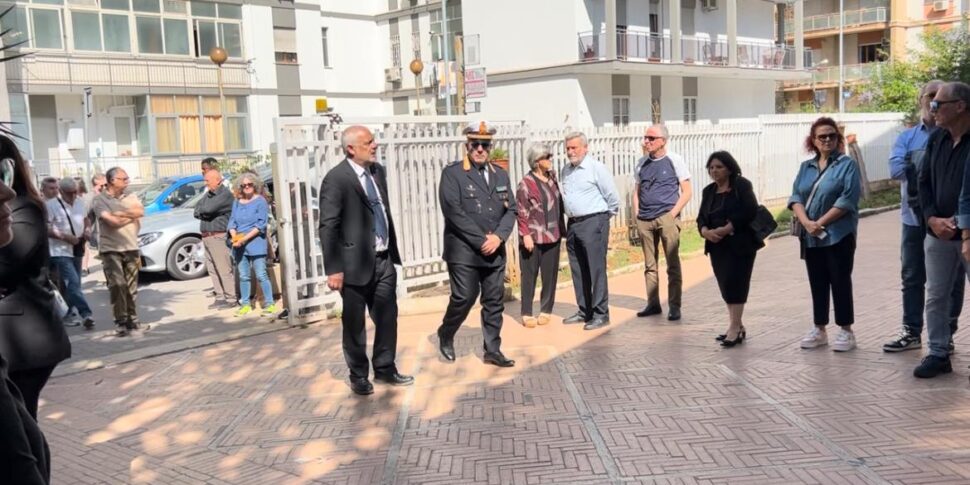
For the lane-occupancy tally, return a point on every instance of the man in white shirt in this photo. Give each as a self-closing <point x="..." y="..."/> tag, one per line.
<point x="67" y="231"/>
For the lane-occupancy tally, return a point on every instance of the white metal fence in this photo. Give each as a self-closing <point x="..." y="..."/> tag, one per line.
<point x="769" y="150"/>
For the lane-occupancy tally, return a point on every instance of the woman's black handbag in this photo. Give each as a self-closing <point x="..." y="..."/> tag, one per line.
<point x="763" y="224"/>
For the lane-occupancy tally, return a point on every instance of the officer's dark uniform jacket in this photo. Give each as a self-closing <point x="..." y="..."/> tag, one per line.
<point x="473" y="209"/>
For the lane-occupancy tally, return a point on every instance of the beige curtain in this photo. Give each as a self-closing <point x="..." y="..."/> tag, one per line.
<point x="163" y="105"/>
<point x="166" y="135"/>
<point x="213" y="134"/>
<point x="190" y="133"/>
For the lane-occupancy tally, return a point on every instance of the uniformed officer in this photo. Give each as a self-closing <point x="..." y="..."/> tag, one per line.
<point x="479" y="209"/>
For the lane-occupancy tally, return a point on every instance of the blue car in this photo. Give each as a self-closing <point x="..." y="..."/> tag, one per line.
<point x="170" y="193"/>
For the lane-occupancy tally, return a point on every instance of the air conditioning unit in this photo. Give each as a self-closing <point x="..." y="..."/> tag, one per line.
<point x="708" y="5"/>
<point x="941" y="5"/>
<point x="392" y="74"/>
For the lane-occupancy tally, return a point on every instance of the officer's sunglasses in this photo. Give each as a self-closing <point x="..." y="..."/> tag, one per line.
<point x="482" y="144"/>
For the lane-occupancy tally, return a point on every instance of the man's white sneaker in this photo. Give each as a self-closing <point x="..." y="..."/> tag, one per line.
<point x="816" y="338"/>
<point x="844" y="341"/>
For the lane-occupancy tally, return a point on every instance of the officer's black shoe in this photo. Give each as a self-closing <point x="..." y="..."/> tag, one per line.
<point x="446" y="345"/>
<point x="650" y="310"/>
<point x="674" y="314"/>
<point x="596" y="323"/>
<point x="577" y="318"/>
<point x="394" y="379"/>
<point x="361" y="386"/>
<point x="496" y="358"/>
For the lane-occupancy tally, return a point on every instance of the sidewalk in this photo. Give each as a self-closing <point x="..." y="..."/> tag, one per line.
<point x="643" y="400"/>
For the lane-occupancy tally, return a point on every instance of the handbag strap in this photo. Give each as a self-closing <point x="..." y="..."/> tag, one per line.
<point x="818" y="180"/>
<point x="68" y="214"/>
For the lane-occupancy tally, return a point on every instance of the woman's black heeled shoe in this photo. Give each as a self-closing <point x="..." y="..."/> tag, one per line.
<point x="738" y="340"/>
<point x="720" y="338"/>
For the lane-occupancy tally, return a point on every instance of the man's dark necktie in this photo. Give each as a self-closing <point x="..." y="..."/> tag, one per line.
<point x="380" y="222"/>
<point x="482" y="171"/>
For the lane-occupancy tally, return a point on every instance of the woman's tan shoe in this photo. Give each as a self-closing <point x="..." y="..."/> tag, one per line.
<point x="529" y="322"/>
<point x="544" y="318"/>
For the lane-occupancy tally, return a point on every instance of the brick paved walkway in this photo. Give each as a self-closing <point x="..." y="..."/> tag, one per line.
<point x="642" y="401"/>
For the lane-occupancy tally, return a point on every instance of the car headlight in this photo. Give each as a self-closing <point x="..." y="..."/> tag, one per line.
<point x="148" y="238"/>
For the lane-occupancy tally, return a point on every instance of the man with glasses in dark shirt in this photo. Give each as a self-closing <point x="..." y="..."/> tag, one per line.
<point x="941" y="182"/>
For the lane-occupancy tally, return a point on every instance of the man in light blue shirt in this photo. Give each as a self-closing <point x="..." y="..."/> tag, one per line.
<point x="905" y="160"/>
<point x="590" y="199"/>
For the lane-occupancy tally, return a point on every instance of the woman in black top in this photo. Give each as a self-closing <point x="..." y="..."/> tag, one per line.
<point x="32" y="336"/>
<point x="727" y="208"/>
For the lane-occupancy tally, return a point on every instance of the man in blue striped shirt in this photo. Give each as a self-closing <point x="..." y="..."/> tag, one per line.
<point x="590" y="199"/>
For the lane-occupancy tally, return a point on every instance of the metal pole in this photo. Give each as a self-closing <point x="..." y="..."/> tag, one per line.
<point x="86" y="101"/>
<point x="225" y="122"/>
<point x="841" y="56"/>
<point x="444" y="46"/>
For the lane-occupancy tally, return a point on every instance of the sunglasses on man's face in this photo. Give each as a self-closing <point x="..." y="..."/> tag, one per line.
<point x="651" y="139"/>
<point x="935" y="105"/>
<point x="6" y="171"/>
<point x="247" y="185"/>
<point x="481" y="144"/>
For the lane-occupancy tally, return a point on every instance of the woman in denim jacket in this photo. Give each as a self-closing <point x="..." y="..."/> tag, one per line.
<point x="247" y="231"/>
<point x="825" y="201"/>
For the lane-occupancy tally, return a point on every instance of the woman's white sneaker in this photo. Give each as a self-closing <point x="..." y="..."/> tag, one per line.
<point x="844" y="341"/>
<point x="816" y="338"/>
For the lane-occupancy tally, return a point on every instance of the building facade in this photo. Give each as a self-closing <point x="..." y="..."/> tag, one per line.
<point x="131" y="83"/>
<point x="874" y="32"/>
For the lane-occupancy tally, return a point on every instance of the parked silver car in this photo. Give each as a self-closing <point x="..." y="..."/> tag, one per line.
<point x="171" y="242"/>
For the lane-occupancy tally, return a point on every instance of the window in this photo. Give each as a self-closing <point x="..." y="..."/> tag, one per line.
<point x="115" y="4"/>
<point x="16" y="22"/>
<point x="149" y="35"/>
<point x="690" y="109"/>
<point x="453" y="13"/>
<point x="871" y="53"/>
<point x="176" y="37"/>
<point x="87" y="31"/>
<point x="326" y="49"/>
<point x="150" y="6"/>
<point x="117" y="37"/>
<point x="194" y="124"/>
<point x="621" y="110"/>
<point x="284" y="41"/>
<point x="46" y="26"/>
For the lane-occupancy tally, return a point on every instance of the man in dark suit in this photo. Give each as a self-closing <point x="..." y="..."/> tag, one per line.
<point x="479" y="209"/>
<point x="359" y="254"/>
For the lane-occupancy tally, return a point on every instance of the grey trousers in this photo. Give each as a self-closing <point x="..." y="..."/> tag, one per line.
<point x="944" y="263"/>
<point x="218" y="262"/>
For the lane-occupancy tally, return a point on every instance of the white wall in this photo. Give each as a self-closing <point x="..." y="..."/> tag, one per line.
<point x="257" y="28"/>
<point x="640" y="97"/>
<point x="538" y="33"/>
<point x="733" y="98"/>
<point x="547" y="102"/>
<point x="357" y="7"/>
<point x="596" y="99"/>
<point x="309" y="44"/>
<point x="672" y="98"/>
<point x="263" y="108"/>
<point x="358" y="55"/>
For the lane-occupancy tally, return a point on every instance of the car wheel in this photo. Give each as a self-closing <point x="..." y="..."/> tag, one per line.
<point x="186" y="259"/>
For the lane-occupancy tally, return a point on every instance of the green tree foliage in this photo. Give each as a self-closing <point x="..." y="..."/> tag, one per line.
<point x="895" y="88"/>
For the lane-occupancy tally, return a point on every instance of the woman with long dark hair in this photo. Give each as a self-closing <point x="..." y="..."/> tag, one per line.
<point x="32" y="336"/>
<point x="728" y="205"/>
<point x="825" y="202"/>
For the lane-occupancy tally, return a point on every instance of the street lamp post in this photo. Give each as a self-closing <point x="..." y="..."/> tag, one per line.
<point x="218" y="56"/>
<point x="841" y="56"/>
<point x="416" y="67"/>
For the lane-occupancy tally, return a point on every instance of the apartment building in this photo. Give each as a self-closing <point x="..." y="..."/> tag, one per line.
<point x="874" y="32"/>
<point x="130" y="82"/>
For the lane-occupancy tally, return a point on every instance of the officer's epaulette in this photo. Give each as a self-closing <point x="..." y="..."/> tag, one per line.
<point x="456" y="162"/>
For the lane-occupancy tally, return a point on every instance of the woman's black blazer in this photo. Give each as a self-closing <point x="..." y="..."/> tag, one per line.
<point x="31" y="335"/>
<point x="740" y="206"/>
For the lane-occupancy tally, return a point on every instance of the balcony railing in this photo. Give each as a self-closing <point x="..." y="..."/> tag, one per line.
<point x="853" y="18"/>
<point x="830" y="74"/>
<point x="645" y="47"/>
<point x="123" y="72"/>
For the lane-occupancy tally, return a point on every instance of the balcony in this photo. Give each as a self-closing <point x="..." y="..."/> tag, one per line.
<point x="854" y="19"/>
<point x="146" y="75"/>
<point x="655" y="48"/>
<point x="829" y="76"/>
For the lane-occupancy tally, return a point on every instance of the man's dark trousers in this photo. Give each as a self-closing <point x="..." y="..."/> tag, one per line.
<point x="466" y="283"/>
<point x="380" y="296"/>
<point x="914" y="282"/>
<point x="587" y="241"/>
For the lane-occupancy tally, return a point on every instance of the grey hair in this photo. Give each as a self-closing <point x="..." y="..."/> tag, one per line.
<point x="48" y="180"/>
<point x="960" y="91"/>
<point x="926" y="87"/>
<point x="537" y="152"/>
<point x="350" y="136"/>
<point x="577" y="134"/>
<point x="663" y="130"/>
<point x="252" y="177"/>
<point x="68" y="184"/>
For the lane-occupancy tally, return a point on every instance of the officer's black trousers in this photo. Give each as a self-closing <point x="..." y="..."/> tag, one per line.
<point x="380" y="297"/>
<point x="586" y="242"/>
<point x="466" y="283"/>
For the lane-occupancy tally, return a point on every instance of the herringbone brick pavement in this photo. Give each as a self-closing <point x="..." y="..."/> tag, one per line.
<point x="643" y="401"/>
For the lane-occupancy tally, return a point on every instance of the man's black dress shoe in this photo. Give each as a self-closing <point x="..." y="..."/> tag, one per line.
<point x="394" y="379"/>
<point x="496" y="358"/>
<point x="446" y="345"/>
<point x="596" y="323"/>
<point x="674" y="314"/>
<point x="650" y="310"/>
<point x="361" y="386"/>
<point x="576" y="318"/>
